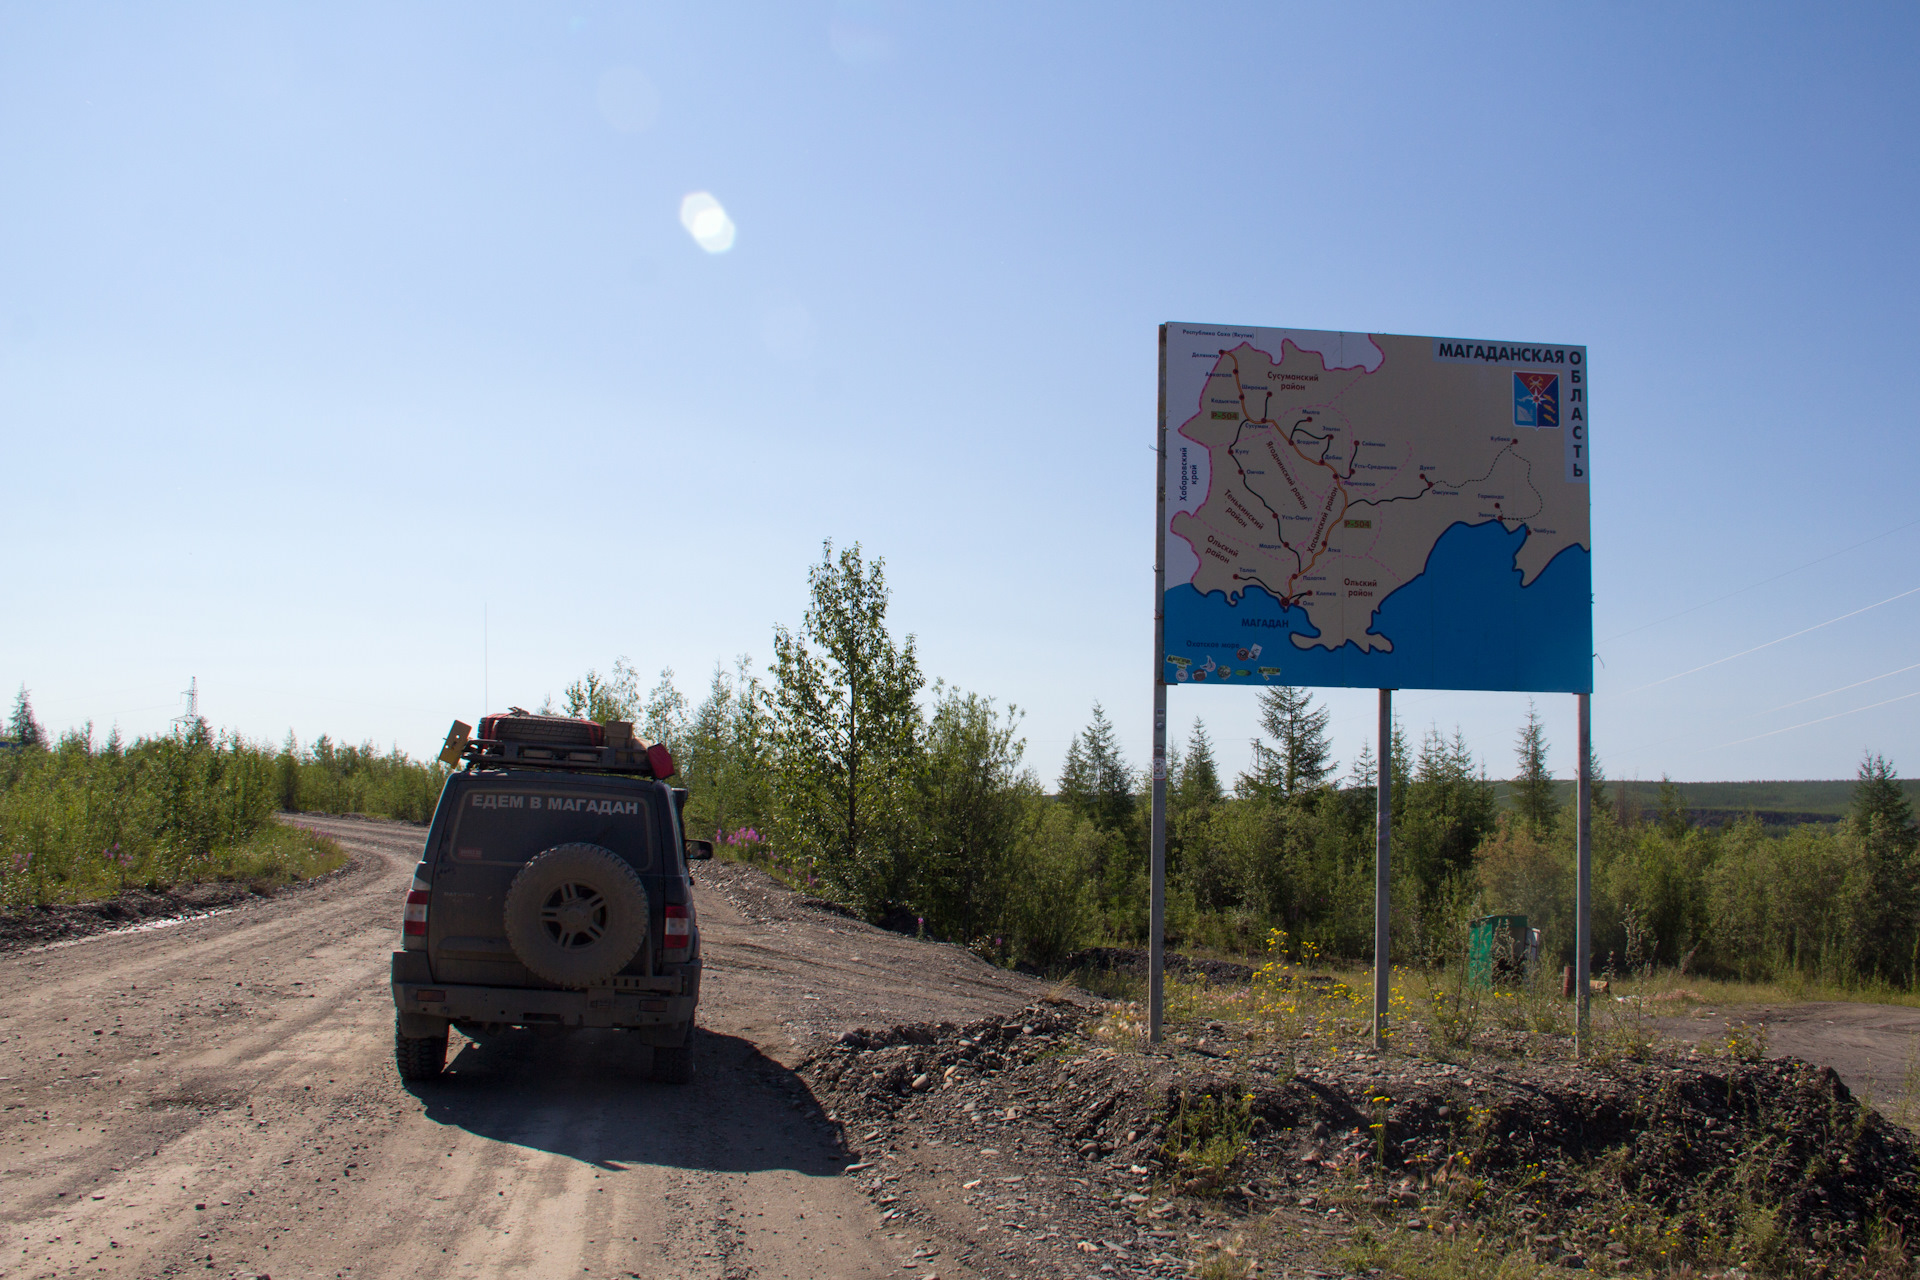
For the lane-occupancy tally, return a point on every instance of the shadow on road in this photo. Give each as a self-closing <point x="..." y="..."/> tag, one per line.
<point x="586" y="1095"/>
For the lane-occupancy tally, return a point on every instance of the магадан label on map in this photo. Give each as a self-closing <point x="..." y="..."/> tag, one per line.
<point x="1376" y="511"/>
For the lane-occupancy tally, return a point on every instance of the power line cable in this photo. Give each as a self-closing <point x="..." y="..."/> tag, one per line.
<point x="1769" y="644"/>
<point x="1619" y="635"/>
<point x="1763" y="582"/>
<point x="1842" y="689"/>
<point x="1822" y="720"/>
<point x="1683" y="737"/>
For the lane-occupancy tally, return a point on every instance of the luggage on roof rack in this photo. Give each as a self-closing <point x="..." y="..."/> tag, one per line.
<point x="547" y="731"/>
<point x="558" y="742"/>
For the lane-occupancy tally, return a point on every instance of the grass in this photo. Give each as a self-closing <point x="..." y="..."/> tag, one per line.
<point x="276" y="855"/>
<point x="1206" y="1136"/>
<point x="272" y="856"/>
<point x="758" y="854"/>
<point x="1729" y="1226"/>
<point x="1307" y="999"/>
<point x="1225" y="1260"/>
<point x="1425" y="1255"/>
<point x="1467" y="1229"/>
<point x="1789" y="989"/>
<point x="1108" y="984"/>
<point x="1472" y="1229"/>
<point x="78" y="823"/>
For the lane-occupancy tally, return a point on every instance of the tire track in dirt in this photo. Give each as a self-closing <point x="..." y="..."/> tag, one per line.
<point x="218" y="1098"/>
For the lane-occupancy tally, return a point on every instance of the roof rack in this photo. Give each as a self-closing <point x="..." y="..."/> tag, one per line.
<point x="636" y="760"/>
<point x="601" y="758"/>
<point x="613" y="758"/>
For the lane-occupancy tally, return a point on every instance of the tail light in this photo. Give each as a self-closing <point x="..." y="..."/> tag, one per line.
<point x="678" y="935"/>
<point x="413" y="924"/>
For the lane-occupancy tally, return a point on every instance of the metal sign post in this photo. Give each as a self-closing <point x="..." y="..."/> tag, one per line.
<point x="1583" y="881"/>
<point x="1156" y="936"/>
<point x="1382" y="863"/>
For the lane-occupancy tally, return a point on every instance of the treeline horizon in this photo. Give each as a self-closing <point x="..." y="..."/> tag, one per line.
<point x="848" y="773"/>
<point x="341" y="760"/>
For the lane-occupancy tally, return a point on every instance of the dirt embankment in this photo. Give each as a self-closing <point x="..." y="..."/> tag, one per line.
<point x="1029" y="1145"/>
<point x="37" y="926"/>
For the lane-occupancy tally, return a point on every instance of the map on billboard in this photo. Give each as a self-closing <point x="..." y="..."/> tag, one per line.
<point x="1376" y="511"/>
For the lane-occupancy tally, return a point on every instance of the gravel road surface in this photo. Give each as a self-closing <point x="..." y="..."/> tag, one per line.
<point x="1874" y="1047"/>
<point x="217" y="1097"/>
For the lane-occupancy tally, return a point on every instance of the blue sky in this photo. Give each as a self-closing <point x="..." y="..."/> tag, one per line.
<point x="324" y="329"/>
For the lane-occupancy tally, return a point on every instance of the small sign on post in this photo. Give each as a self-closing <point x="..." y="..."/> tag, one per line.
<point x="456" y="743"/>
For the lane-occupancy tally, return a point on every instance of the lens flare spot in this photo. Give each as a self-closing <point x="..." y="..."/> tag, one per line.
<point x="707" y="222"/>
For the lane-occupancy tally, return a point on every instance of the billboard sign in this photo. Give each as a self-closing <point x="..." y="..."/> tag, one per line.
<point x="1375" y="511"/>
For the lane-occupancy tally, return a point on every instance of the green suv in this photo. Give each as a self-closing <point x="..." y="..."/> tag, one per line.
<point x="554" y="893"/>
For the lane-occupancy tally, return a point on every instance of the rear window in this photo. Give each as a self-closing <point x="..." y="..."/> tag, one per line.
<point x="509" y="824"/>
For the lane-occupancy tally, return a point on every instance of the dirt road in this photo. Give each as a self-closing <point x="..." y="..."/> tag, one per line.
<point x="1874" y="1047"/>
<point x="218" y="1098"/>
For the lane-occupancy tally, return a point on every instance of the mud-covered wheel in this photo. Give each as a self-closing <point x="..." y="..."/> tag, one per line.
<point x="673" y="1064"/>
<point x="420" y="1057"/>
<point x="576" y="914"/>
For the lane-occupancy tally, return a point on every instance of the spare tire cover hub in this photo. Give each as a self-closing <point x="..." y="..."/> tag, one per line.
<point x="576" y="914"/>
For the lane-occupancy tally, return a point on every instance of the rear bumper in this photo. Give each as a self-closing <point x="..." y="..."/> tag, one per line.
<point x="665" y="1001"/>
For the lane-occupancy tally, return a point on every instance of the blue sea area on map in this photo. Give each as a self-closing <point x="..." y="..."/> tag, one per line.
<point x="1464" y="623"/>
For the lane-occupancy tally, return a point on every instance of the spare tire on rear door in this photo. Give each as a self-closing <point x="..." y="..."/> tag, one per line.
<point x="576" y="914"/>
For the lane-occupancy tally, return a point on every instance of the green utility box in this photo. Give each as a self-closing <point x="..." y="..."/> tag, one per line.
<point x="1490" y="953"/>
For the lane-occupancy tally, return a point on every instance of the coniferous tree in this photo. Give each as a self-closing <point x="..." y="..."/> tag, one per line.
<point x="1402" y="760"/>
<point x="1674" y="821"/>
<point x="1095" y="782"/>
<point x="21" y="726"/>
<point x="1301" y="756"/>
<point x="1365" y="774"/>
<point x="1596" y="783"/>
<point x="1877" y="793"/>
<point x="1533" y="797"/>
<point x="1193" y="799"/>
<point x="287" y="770"/>
<point x="1882" y="822"/>
<point x="1195" y="774"/>
<point x="1449" y="811"/>
<point x="1097" y="787"/>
